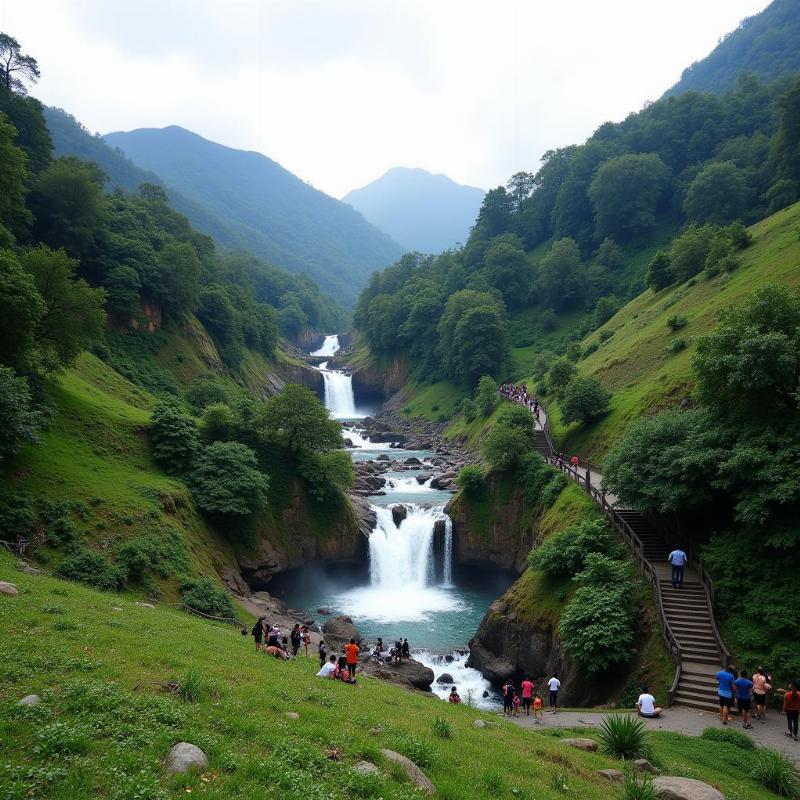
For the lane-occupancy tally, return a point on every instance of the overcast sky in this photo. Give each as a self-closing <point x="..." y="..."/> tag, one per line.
<point x="338" y="92"/>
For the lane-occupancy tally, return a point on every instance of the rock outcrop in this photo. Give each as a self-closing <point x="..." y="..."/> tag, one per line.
<point x="409" y="672"/>
<point x="338" y="631"/>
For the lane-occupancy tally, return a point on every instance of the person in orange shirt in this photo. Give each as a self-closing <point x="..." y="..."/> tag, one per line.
<point x="537" y="709"/>
<point x="791" y="707"/>
<point x="351" y="650"/>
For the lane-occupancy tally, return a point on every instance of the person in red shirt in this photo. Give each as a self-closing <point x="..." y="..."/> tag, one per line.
<point x="351" y="651"/>
<point x="791" y="707"/>
<point x="527" y="695"/>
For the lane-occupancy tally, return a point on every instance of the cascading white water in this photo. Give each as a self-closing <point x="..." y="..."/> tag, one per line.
<point x="408" y="485"/>
<point x="329" y="347"/>
<point x="402" y="570"/>
<point x="339" y="398"/>
<point x="362" y="442"/>
<point x="447" y="568"/>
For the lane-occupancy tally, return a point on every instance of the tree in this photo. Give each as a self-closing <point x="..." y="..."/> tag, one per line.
<point x="560" y="374"/>
<point x="609" y="254"/>
<point x="659" y="272"/>
<point x="66" y="201"/>
<point x="625" y="191"/>
<point x="559" y="278"/>
<point x="217" y="313"/>
<point x="227" y="480"/>
<point x="174" y="437"/>
<point x="19" y="421"/>
<point x="519" y="188"/>
<point x="471" y="481"/>
<point x="495" y="214"/>
<point x="750" y="365"/>
<point x="689" y="252"/>
<point x="122" y="287"/>
<point x="15" y="67"/>
<point x="604" y="309"/>
<point x="73" y="311"/>
<point x="506" y="445"/>
<point x="328" y="475"/>
<point x="298" y="421"/>
<point x="718" y="194"/>
<point x="23" y="308"/>
<point x="178" y="278"/>
<point x="217" y="423"/>
<point x="205" y="596"/>
<point x="517" y="417"/>
<point x="564" y="553"/>
<point x="584" y="399"/>
<point x="13" y="180"/>
<point x="506" y="269"/>
<point x="486" y="395"/>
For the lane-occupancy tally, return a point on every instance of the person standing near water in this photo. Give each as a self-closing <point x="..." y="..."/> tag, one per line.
<point x="554" y="684"/>
<point x="527" y="695"/>
<point x="508" y="698"/>
<point x="351" y="651"/>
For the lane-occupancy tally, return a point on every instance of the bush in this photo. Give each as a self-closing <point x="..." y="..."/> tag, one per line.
<point x="506" y="445"/>
<point x="328" y="475"/>
<point x="533" y="475"/>
<point x="217" y="423"/>
<point x="560" y="374"/>
<point x="19" y="420"/>
<point x="623" y="736"/>
<point x="553" y="489"/>
<point x="470" y="480"/>
<point x="419" y="750"/>
<point x="638" y="787"/>
<point x="174" y="435"/>
<point x="93" y="570"/>
<point x="205" y="390"/>
<point x="227" y="480"/>
<point x="469" y="409"/>
<point x="776" y="772"/>
<point x="677" y="345"/>
<point x="16" y="516"/>
<point x="564" y="554"/>
<point x="486" y="397"/>
<point x="729" y="736"/>
<point x="584" y="400"/>
<point x="202" y="594"/>
<point x="606" y="335"/>
<point x="602" y="570"/>
<point x="676" y="323"/>
<point x="548" y="319"/>
<point x="442" y="728"/>
<point x="596" y="627"/>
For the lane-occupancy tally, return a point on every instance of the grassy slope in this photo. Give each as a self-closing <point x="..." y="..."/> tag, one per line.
<point x="636" y="364"/>
<point x="95" y="735"/>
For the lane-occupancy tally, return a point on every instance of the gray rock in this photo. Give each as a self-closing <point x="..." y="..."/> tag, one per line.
<point x="29" y="570"/>
<point x="613" y="775"/>
<point x="30" y="700"/>
<point x="399" y="513"/>
<point x="671" y="788"/>
<point x="415" y="774"/>
<point x="366" y="768"/>
<point x="383" y="457"/>
<point x="338" y="631"/>
<point x="423" y="476"/>
<point x="325" y="612"/>
<point x="377" y="731"/>
<point x="8" y="588"/>
<point x="589" y="745"/>
<point x="292" y="715"/>
<point x="445" y="677"/>
<point x="413" y="461"/>
<point x="479" y="723"/>
<point x="184" y="756"/>
<point x="643" y="765"/>
<point x="409" y="673"/>
<point x="145" y="605"/>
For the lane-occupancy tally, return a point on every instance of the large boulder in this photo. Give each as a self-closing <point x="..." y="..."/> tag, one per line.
<point x="415" y="774"/>
<point x="184" y="756"/>
<point x="8" y="588"/>
<point x="493" y="666"/>
<point x="445" y="678"/>
<point x="672" y="788"/>
<point x="399" y="513"/>
<point x="338" y="631"/>
<point x="409" y="673"/>
<point x="589" y="745"/>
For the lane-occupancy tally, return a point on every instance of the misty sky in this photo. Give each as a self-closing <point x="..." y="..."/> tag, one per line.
<point x="338" y="92"/>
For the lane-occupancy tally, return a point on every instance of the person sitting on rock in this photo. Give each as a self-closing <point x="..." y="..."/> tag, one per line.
<point x="646" y="705"/>
<point x="453" y="698"/>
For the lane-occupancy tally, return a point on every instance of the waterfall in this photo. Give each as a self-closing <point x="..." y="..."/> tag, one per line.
<point x="447" y="570"/>
<point x="329" y="346"/>
<point x="339" y="398"/>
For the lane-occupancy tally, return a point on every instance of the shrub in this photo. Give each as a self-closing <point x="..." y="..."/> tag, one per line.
<point x="729" y="736"/>
<point x="205" y="390"/>
<point x="442" y="728"/>
<point x="469" y="409"/>
<point x="623" y="736"/>
<point x="486" y="395"/>
<point x="533" y="475"/>
<point x="505" y="445"/>
<point x="175" y="439"/>
<point x="677" y="345"/>
<point x="553" y="489"/>
<point x="596" y="627"/>
<point x="328" y="475"/>
<point x="560" y="374"/>
<point x="193" y="687"/>
<point x="16" y="516"/>
<point x="548" y="319"/>
<point x="419" y="750"/>
<point x="776" y="772"/>
<point x="93" y="570"/>
<point x="636" y="786"/>
<point x="470" y="480"/>
<point x="217" y="423"/>
<point x="563" y="554"/>
<point x="584" y="400"/>
<point x="676" y="323"/>
<point x="19" y="420"/>
<point x="606" y="335"/>
<point x="602" y="570"/>
<point x="202" y="594"/>
<point x="227" y="480"/>
<point x="573" y="352"/>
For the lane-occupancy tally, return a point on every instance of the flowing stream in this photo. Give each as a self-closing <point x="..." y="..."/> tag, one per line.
<point x="411" y="591"/>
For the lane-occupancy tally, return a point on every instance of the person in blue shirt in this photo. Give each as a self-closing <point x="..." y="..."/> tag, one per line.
<point x="678" y="560"/>
<point x="725" y="678"/>
<point x="744" y="693"/>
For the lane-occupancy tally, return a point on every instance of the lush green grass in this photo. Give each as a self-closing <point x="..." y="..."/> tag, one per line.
<point x="637" y="365"/>
<point x="434" y="401"/>
<point x="105" y="727"/>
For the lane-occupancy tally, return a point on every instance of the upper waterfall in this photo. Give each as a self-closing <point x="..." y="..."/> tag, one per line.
<point x="329" y="347"/>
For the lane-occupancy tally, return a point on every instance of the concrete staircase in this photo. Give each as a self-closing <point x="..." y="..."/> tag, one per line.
<point x="540" y="444"/>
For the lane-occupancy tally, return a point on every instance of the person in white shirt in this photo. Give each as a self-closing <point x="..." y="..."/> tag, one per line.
<point x="678" y="560"/>
<point x="646" y="705"/>
<point x="554" y="684"/>
<point x="328" y="669"/>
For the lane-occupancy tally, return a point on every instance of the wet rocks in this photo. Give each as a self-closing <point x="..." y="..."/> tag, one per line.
<point x="399" y="513"/>
<point x="445" y="677"/>
<point x="409" y="673"/>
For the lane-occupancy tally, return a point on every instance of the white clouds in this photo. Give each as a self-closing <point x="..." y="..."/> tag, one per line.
<point x="338" y="92"/>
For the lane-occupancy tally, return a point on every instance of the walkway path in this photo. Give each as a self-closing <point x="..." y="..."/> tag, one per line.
<point x="686" y="615"/>
<point x="681" y="720"/>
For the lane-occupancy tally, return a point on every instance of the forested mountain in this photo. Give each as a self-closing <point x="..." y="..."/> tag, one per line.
<point x="424" y="212"/>
<point x="765" y="45"/>
<point x="263" y="208"/>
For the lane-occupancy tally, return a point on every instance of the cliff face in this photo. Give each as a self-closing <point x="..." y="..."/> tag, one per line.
<point x="379" y="380"/>
<point x="300" y="534"/>
<point x="493" y="527"/>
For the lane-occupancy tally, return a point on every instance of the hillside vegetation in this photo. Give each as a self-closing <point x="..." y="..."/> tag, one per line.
<point x="264" y="208"/>
<point x="105" y="725"/>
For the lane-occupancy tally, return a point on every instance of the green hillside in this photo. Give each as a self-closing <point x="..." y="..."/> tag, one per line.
<point x="764" y="45"/>
<point x="107" y="722"/>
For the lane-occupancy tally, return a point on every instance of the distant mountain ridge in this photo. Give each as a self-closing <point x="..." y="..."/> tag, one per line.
<point x="422" y="211"/>
<point x="766" y="45"/>
<point x="246" y="200"/>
